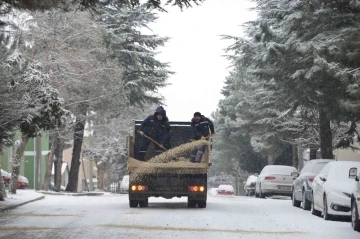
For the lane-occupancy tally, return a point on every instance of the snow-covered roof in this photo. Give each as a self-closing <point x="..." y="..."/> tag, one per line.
<point x="226" y="188"/>
<point x="279" y="169"/>
<point x="5" y="174"/>
<point x="251" y="179"/>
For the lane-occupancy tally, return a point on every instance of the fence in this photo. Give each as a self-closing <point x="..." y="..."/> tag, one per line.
<point x="115" y="187"/>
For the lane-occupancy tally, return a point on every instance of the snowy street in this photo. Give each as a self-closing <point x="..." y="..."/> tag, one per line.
<point x="109" y="216"/>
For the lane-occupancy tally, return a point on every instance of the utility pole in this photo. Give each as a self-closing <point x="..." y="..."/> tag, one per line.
<point x="38" y="156"/>
<point x="91" y="183"/>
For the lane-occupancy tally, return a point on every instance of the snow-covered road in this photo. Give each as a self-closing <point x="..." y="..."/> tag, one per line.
<point x="110" y="217"/>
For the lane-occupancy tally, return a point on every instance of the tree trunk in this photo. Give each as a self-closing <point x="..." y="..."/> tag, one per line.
<point x="75" y="160"/>
<point x="2" y="189"/>
<point x="313" y="152"/>
<point x="325" y="136"/>
<point x="100" y="176"/>
<point x="49" y="165"/>
<point x="106" y="183"/>
<point x="17" y="162"/>
<point x="59" y="162"/>
<point x="295" y="156"/>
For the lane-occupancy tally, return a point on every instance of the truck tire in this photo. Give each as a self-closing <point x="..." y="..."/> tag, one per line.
<point x="144" y="203"/>
<point x="191" y="203"/>
<point x="202" y="204"/>
<point x="133" y="203"/>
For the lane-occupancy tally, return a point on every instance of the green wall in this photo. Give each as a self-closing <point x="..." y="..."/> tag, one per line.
<point x="28" y="163"/>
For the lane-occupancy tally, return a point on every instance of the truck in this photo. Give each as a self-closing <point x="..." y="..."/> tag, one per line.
<point x="177" y="178"/>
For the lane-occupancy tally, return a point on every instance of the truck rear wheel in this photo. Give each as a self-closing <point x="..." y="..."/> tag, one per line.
<point x="133" y="203"/>
<point x="191" y="203"/>
<point x="144" y="203"/>
<point x="202" y="204"/>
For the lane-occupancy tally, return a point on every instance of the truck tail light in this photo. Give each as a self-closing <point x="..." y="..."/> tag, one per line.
<point x="196" y="189"/>
<point x="139" y="188"/>
<point x="270" y="178"/>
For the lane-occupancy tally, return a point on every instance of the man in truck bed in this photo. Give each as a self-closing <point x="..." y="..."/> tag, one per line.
<point x="202" y="127"/>
<point x="156" y="126"/>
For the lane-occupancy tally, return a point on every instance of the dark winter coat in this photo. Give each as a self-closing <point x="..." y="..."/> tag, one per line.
<point x="202" y="128"/>
<point x="157" y="130"/>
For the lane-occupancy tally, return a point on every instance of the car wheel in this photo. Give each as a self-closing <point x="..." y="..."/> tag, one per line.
<point x="261" y="195"/>
<point x="326" y="215"/>
<point x="306" y="204"/>
<point x="313" y="210"/>
<point x="133" y="203"/>
<point x="295" y="202"/>
<point x="355" y="222"/>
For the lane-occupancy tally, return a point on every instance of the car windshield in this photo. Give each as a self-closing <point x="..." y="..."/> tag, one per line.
<point x="318" y="167"/>
<point x="340" y="171"/>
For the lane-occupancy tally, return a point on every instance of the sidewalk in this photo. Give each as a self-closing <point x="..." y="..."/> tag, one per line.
<point x="20" y="198"/>
<point x="72" y="194"/>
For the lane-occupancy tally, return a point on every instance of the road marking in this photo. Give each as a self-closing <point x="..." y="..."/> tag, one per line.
<point x="25" y="228"/>
<point x="45" y="215"/>
<point x="155" y="228"/>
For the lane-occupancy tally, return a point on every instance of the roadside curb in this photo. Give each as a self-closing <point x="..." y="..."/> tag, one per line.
<point x="71" y="194"/>
<point x="13" y="206"/>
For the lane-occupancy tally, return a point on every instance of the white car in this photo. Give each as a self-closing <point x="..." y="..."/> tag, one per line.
<point x="302" y="187"/>
<point x="250" y="185"/>
<point x="213" y="191"/>
<point x="124" y="185"/>
<point x="354" y="173"/>
<point x="332" y="189"/>
<point x="275" y="180"/>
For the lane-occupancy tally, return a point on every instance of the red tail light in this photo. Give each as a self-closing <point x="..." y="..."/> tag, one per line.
<point x="196" y="189"/>
<point x="270" y="178"/>
<point x="310" y="180"/>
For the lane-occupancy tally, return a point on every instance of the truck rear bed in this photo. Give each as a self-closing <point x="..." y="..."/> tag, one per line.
<point x="176" y="178"/>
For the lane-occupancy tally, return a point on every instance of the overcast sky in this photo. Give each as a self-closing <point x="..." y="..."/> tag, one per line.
<point x="195" y="53"/>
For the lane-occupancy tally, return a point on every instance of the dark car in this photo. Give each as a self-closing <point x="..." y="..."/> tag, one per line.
<point x="302" y="187"/>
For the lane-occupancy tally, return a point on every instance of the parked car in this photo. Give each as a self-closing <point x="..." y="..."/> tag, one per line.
<point x="124" y="185"/>
<point x="250" y="185"/>
<point x="275" y="180"/>
<point x="332" y="189"/>
<point x="302" y="187"/>
<point x="354" y="173"/>
<point x="22" y="182"/>
<point x="5" y="176"/>
<point x="225" y="190"/>
<point x="213" y="191"/>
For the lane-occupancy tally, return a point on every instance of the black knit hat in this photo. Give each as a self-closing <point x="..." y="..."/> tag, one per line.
<point x="197" y="114"/>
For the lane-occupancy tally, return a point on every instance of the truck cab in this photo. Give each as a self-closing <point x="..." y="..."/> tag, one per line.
<point x="170" y="179"/>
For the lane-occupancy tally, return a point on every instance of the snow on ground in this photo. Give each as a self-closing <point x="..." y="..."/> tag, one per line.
<point x="109" y="216"/>
<point x="21" y="196"/>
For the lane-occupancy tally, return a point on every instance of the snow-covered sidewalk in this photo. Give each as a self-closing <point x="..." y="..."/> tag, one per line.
<point x="20" y="198"/>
